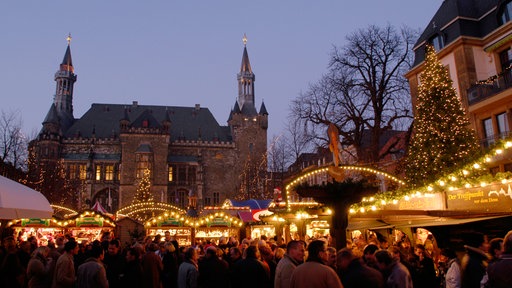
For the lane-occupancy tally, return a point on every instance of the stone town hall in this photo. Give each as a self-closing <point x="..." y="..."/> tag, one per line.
<point x="187" y="151"/>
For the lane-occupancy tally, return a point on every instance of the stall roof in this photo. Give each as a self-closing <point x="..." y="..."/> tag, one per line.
<point x="246" y="216"/>
<point x="252" y="203"/>
<point x="19" y="201"/>
<point x="419" y="219"/>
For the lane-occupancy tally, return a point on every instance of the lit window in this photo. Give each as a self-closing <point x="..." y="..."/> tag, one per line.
<point x="109" y="172"/>
<point x="98" y="172"/>
<point x="83" y="172"/>
<point x="72" y="171"/>
<point x="170" y="174"/>
<point x="143" y="163"/>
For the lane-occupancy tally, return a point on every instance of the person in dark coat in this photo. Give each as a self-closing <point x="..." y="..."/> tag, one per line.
<point x="250" y="272"/>
<point x="170" y="264"/>
<point x="114" y="262"/>
<point x="152" y="267"/>
<point x="474" y="262"/>
<point x="353" y="273"/>
<point x="132" y="275"/>
<point x="213" y="271"/>
<point x="423" y="270"/>
<point x="499" y="272"/>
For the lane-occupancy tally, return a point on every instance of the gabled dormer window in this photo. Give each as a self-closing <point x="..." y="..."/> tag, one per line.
<point x="506" y="13"/>
<point x="437" y="41"/>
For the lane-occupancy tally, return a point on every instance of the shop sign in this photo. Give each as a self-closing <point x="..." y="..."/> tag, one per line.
<point x="170" y="222"/>
<point x="89" y="221"/>
<point x="497" y="198"/>
<point x="35" y="222"/>
<point x="432" y="201"/>
<point x="218" y="221"/>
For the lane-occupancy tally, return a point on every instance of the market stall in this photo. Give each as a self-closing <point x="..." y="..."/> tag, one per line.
<point x="177" y="224"/>
<point x="216" y="225"/>
<point x="89" y="226"/>
<point x="44" y="230"/>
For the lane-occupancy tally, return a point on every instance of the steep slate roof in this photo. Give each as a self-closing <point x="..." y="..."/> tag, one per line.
<point x="465" y="18"/>
<point x="246" y="65"/>
<point x="186" y="122"/>
<point x="263" y="109"/>
<point x="51" y="116"/>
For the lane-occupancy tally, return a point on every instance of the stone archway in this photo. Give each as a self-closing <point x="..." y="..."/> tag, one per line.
<point x="108" y="198"/>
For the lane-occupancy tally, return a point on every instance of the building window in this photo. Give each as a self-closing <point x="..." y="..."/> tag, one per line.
<point x="502" y="122"/>
<point x="506" y="13"/>
<point x="181" y="198"/>
<point x="83" y="172"/>
<point x="191" y="177"/>
<point x="170" y="174"/>
<point x="488" y="131"/>
<point x="109" y="172"/>
<point x="143" y="163"/>
<point x="182" y="175"/>
<point x="72" y="171"/>
<point x="506" y="59"/>
<point x="207" y="201"/>
<point x="216" y="198"/>
<point x="98" y="172"/>
<point x="438" y="42"/>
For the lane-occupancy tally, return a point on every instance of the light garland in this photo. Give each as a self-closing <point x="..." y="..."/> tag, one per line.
<point x="467" y="176"/>
<point x="303" y="178"/>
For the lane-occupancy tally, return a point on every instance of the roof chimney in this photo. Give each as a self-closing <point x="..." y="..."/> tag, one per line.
<point x="135" y="104"/>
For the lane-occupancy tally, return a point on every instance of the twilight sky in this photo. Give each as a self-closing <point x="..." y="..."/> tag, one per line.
<point x="179" y="53"/>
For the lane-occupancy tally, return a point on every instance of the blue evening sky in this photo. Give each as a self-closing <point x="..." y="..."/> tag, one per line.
<point x="179" y="53"/>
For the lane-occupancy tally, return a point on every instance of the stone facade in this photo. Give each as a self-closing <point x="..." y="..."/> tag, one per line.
<point x="188" y="153"/>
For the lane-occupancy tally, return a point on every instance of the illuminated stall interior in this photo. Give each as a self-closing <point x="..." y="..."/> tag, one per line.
<point x="216" y="225"/>
<point x="45" y="230"/>
<point x="89" y="226"/>
<point x="173" y="221"/>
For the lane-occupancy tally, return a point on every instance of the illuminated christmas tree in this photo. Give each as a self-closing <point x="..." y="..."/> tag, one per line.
<point x="442" y="139"/>
<point x="143" y="193"/>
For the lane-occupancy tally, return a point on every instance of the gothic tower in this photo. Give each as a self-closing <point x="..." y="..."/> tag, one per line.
<point x="65" y="79"/>
<point x="249" y="132"/>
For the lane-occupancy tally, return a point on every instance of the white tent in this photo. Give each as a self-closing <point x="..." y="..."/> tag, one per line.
<point x="19" y="201"/>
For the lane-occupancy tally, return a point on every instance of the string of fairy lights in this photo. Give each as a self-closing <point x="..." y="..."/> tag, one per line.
<point x="471" y="175"/>
<point x="193" y="221"/>
<point x="72" y="221"/>
<point x="325" y="170"/>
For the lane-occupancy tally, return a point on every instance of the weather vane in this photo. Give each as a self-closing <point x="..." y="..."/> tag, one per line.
<point x="69" y="38"/>
<point x="245" y="40"/>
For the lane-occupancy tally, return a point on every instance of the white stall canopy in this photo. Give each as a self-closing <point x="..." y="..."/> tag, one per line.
<point x="19" y="201"/>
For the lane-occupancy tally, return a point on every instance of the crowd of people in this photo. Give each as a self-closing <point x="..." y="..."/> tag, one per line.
<point x="159" y="262"/>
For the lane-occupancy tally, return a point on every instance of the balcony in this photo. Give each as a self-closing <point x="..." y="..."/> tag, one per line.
<point x="489" y="142"/>
<point x="480" y="92"/>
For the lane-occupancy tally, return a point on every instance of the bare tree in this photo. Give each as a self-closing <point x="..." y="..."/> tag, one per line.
<point x="278" y="154"/>
<point x="13" y="143"/>
<point x="364" y="93"/>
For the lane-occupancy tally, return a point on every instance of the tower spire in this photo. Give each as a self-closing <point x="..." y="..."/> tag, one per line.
<point x="65" y="78"/>
<point x="246" y="83"/>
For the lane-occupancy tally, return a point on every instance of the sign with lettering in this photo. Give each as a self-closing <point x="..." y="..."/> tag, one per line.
<point x="89" y="222"/>
<point x="35" y="222"/>
<point x="218" y="221"/>
<point x="491" y="198"/>
<point x="433" y="201"/>
<point x="171" y="221"/>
